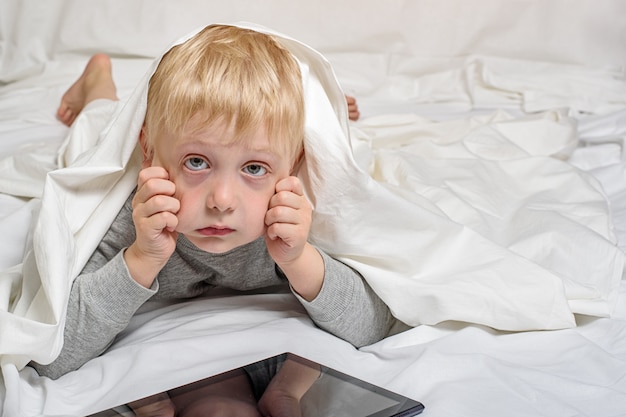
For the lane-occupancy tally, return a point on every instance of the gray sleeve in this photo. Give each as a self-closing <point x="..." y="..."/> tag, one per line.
<point x="100" y="306"/>
<point x="347" y="307"/>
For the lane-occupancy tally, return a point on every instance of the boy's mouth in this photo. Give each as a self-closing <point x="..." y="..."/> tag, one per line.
<point x="216" y="231"/>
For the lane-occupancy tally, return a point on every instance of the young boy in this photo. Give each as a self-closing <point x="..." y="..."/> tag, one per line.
<point x="216" y="203"/>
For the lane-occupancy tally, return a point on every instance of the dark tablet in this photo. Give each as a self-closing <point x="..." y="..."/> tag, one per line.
<point x="322" y="391"/>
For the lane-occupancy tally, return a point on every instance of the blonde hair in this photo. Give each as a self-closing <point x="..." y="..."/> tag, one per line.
<point x="229" y="74"/>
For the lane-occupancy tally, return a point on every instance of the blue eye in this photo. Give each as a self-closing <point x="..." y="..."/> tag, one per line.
<point x="196" y="164"/>
<point x="255" y="170"/>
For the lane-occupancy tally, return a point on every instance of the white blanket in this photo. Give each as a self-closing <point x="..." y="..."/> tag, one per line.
<point x="448" y="60"/>
<point x="471" y="220"/>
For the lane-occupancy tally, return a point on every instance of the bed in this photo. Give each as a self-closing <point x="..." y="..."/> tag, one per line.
<point x="436" y="82"/>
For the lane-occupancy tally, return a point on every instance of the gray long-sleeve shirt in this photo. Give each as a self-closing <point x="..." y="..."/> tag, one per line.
<point x="104" y="297"/>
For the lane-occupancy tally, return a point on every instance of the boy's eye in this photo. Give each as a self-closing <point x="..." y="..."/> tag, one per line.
<point x="196" y="164"/>
<point x="255" y="170"/>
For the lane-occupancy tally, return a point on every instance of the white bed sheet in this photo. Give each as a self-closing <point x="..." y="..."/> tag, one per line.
<point x="455" y="369"/>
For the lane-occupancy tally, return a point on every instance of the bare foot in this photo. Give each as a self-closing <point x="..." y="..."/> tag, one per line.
<point x="95" y="82"/>
<point x="353" y="108"/>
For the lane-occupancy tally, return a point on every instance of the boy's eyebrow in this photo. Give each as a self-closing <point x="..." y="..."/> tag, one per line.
<point x="263" y="149"/>
<point x="267" y="152"/>
<point x="192" y="143"/>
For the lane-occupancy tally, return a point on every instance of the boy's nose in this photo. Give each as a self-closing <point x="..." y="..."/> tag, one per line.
<point x="221" y="195"/>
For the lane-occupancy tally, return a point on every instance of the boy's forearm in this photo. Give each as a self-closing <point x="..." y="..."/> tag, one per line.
<point x="101" y="304"/>
<point x="306" y="273"/>
<point x="347" y="307"/>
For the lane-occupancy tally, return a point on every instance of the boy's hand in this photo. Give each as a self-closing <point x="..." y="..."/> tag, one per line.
<point x="288" y="221"/>
<point x="154" y="215"/>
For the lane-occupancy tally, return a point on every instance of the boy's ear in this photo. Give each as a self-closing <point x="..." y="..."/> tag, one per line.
<point x="143" y="142"/>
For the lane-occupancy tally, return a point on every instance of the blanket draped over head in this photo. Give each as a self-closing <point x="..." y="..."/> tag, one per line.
<point x="472" y="220"/>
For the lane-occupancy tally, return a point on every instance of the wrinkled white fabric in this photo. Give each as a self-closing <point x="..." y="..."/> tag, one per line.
<point x="473" y="220"/>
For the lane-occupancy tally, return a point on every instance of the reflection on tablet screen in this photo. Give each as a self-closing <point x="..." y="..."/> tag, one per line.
<point x="339" y="395"/>
<point x="321" y="391"/>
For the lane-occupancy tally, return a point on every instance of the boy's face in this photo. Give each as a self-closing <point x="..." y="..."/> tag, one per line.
<point x="224" y="187"/>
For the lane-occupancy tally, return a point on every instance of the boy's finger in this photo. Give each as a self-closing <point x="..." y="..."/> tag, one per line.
<point x="292" y="184"/>
<point x="281" y="214"/>
<point x="161" y="203"/>
<point x="152" y="188"/>
<point x="151" y="172"/>
<point x="289" y="199"/>
<point x="164" y="221"/>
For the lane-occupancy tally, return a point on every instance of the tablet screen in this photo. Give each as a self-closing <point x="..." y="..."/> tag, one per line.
<point x="314" y="390"/>
<point x="340" y="395"/>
